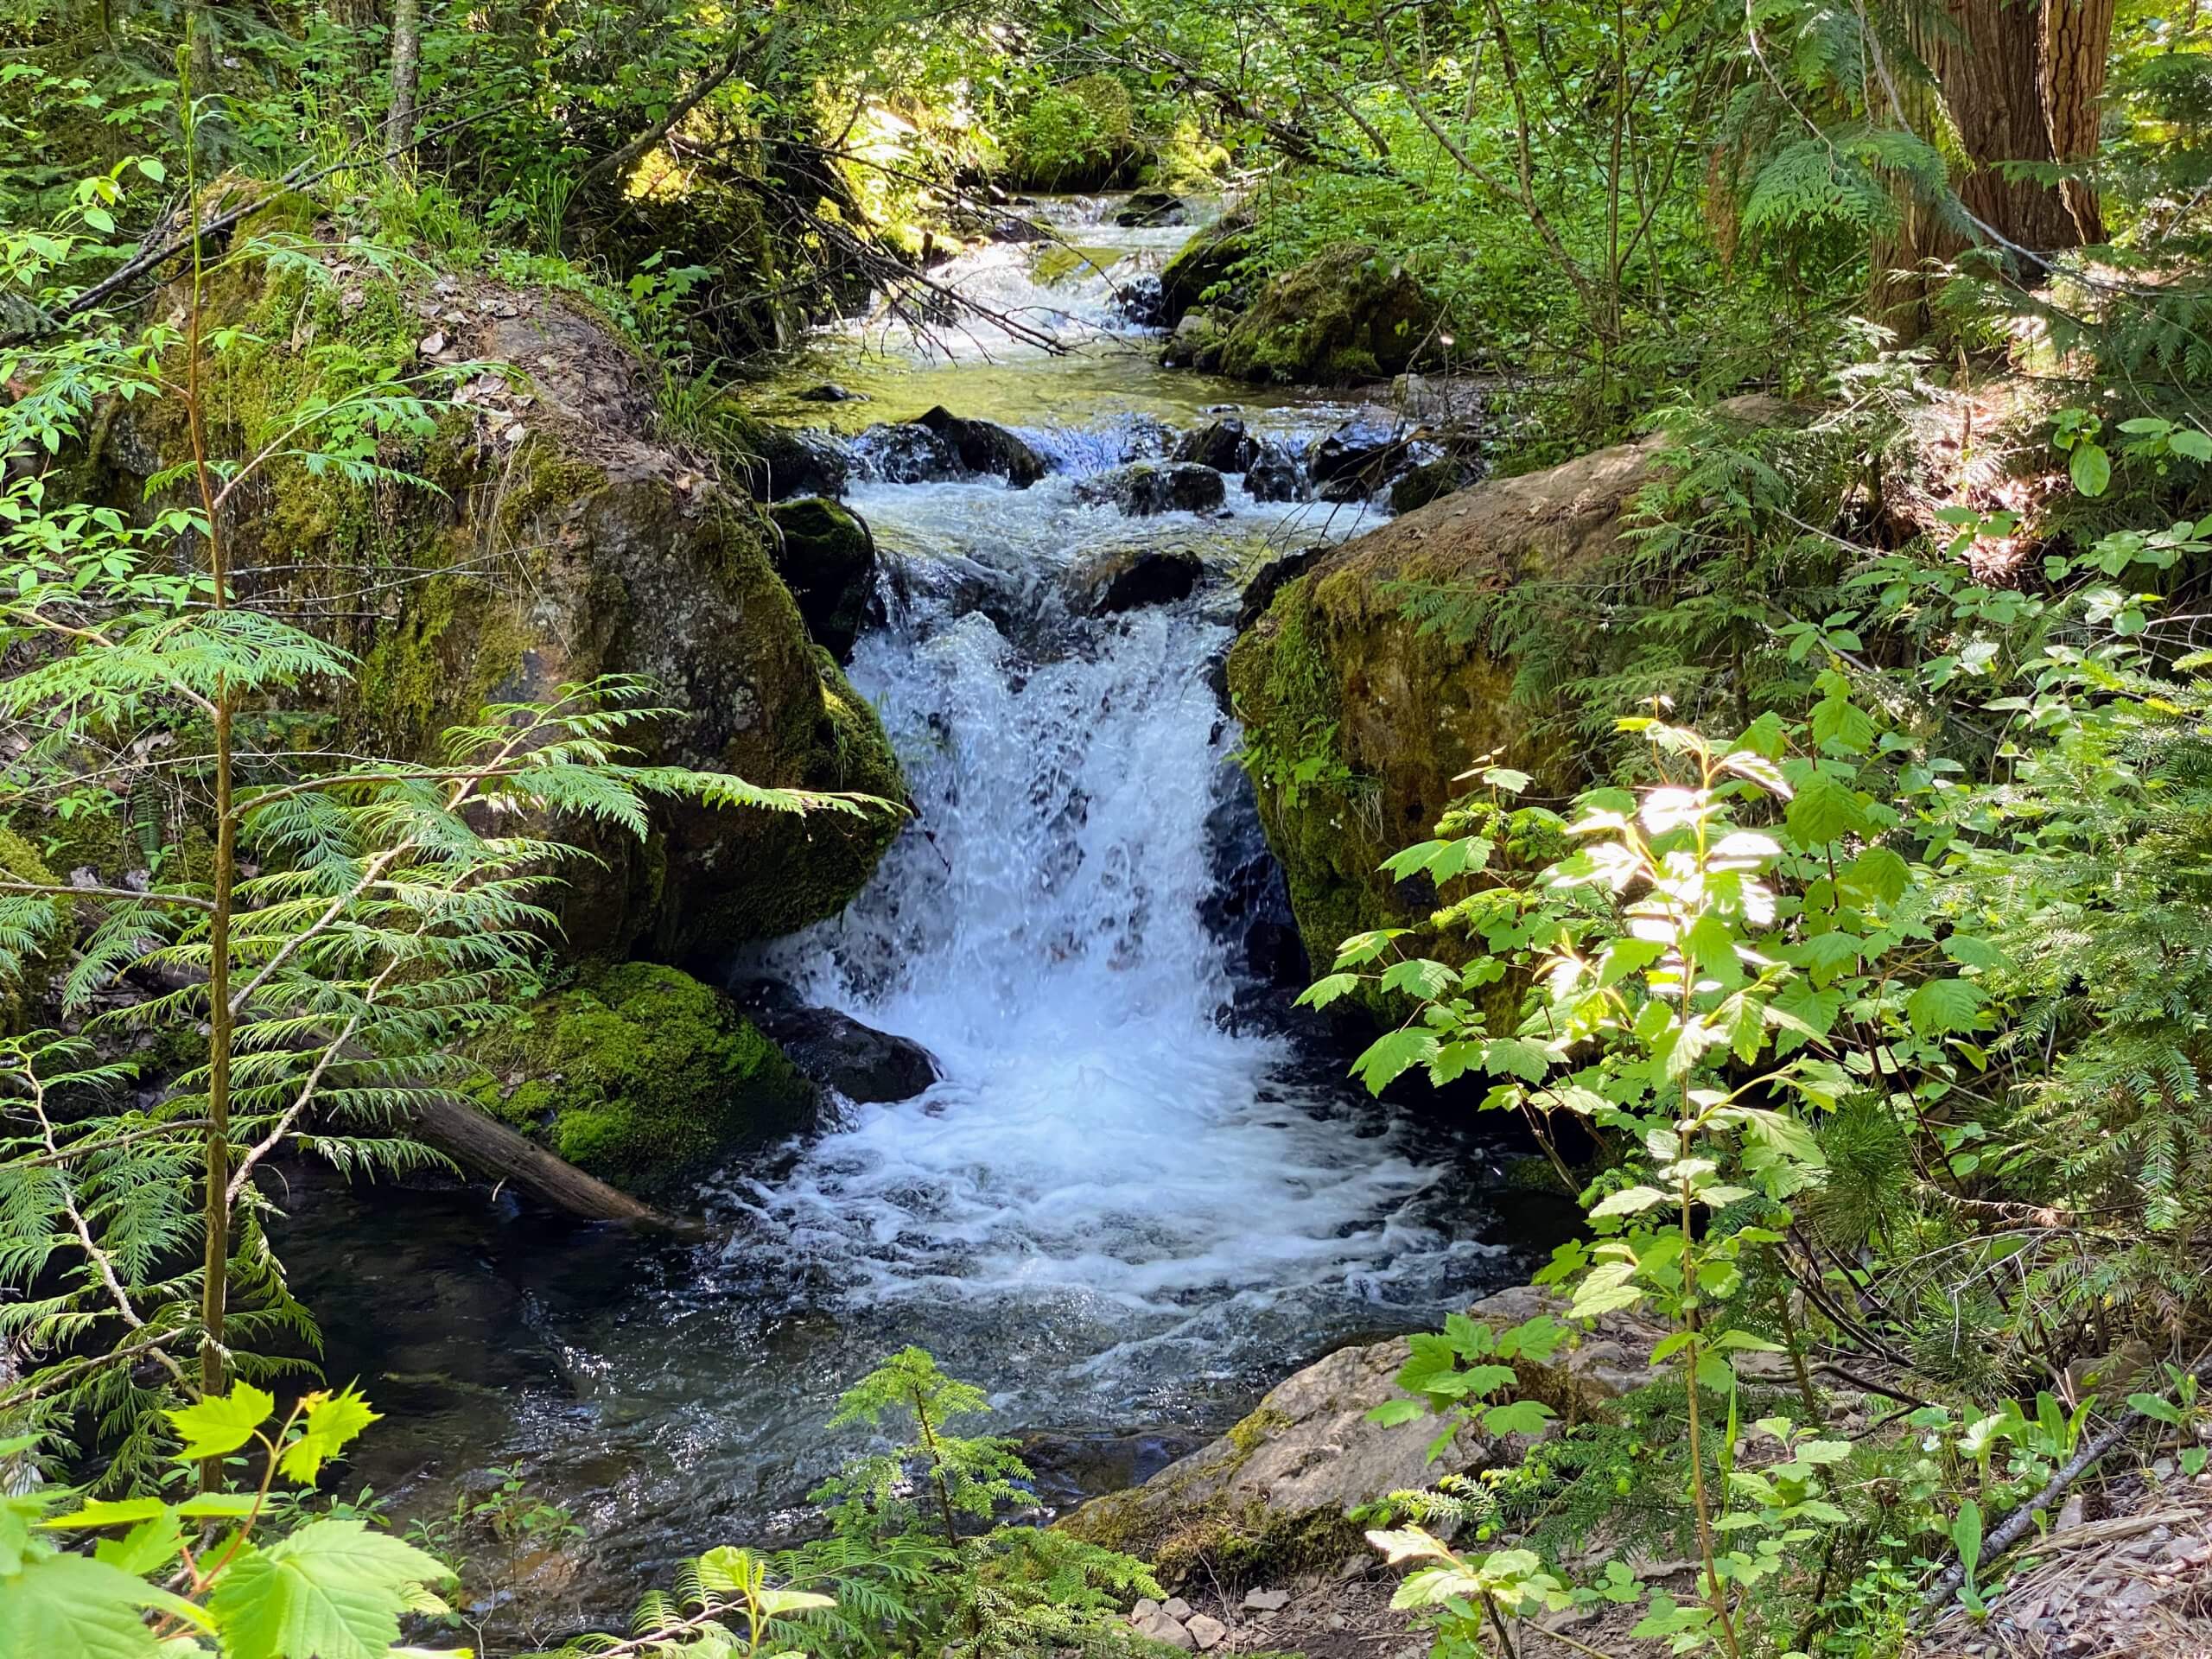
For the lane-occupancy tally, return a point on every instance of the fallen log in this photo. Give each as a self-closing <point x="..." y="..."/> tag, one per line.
<point x="489" y="1146"/>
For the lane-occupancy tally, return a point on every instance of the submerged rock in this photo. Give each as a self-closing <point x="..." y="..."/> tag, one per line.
<point x="833" y="1049"/>
<point x="1274" y="1494"/>
<point x="826" y="559"/>
<point x="1146" y="487"/>
<point x="1151" y="207"/>
<point x="1348" y="313"/>
<point x="1134" y="577"/>
<point x="1225" y="445"/>
<point x="638" y="1075"/>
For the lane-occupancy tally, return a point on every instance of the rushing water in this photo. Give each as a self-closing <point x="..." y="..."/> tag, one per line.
<point x="1140" y="1192"/>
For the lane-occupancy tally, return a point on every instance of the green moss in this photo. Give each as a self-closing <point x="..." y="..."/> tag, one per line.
<point x="1078" y="136"/>
<point x="638" y="1075"/>
<point x="1348" y="313"/>
<point x="1250" y="1434"/>
<point x="1060" y="261"/>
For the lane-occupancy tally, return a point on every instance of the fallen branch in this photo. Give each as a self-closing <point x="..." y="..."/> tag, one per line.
<point x="485" y="1144"/>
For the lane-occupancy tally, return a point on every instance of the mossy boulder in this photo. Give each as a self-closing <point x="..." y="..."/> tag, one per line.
<point x="1348" y="313"/>
<point x="562" y="540"/>
<point x="826" y="559"/>
<point x="1208" y="261"/>
<point x="1080" y="135"/>
<point x="1358" y="720"/>
<point x="638" y="1075"/>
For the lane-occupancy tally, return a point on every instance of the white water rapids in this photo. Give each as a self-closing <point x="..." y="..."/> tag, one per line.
<point x="1128" y="1205"/>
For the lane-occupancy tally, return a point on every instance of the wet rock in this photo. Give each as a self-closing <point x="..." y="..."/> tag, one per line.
<point x="1144" y="488"/>
<point x="826" y="559"/>
<point x="1261" y="591"/>
<point x="1347" y="315"/>
<point x="778" y="463"/>
<point x="836" y="1051"/>
<point x="906" y="453"/>
<point x="1426" y="481"/>
<point x="1276" y="475"/>
<point x="1353" y="461"/>
<point x="982" y="447"/>
<point x="1196" y="343"/>
<point x="1153" y="208"/>
<point x="1441" y="399"/>
<point x="1206" y="262"/>
<point x="1226" y="445"/>
<point x="1133" y="578"/>
<point x="830" y="392"/>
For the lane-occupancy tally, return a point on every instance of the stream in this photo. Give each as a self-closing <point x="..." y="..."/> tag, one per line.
<point x="1142" y="1190"/>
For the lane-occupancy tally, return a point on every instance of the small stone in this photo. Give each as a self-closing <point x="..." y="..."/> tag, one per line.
<point x="432" y="343"/>
<point x="1335" y="1622"/>
<point x="1143" y="1610"/>
<point x="1176" y="1608"/>
<point x="2069" y="1514"/>
<point x="1160" y="1628"/>
<point x="1354" y="1566"/>
<point x="1206" y="1630"/>
<point x="2163" y="1468"/>
<point x="1266" y="1601"/>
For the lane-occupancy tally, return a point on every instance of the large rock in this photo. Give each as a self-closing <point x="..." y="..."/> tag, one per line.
<point x="1274" y="1494"/>
<point x="831" y="1048"/>
<point x="940" y="444"/>
<point x="564" y="542"/>
<point x="1146" y="207"/>
<point x="826" y="559"/>
<point x="1348" y="313"/>
<point x="1207" y="261"/>
<point x="1226" y="445"/>
<point x="1146" y="487"/>
<point x="775" y="463"/>
<point x="639" y="1074"/>
<point x="1130" y="578"/>
<point x="1354" y="462"/>
<point x="1335" y="672"/>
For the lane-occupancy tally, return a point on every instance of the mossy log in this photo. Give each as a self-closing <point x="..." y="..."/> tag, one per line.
<point x="479" y="1141"/>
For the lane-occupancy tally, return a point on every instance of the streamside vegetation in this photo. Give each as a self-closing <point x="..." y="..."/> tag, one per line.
<point x="1807" y="841"/>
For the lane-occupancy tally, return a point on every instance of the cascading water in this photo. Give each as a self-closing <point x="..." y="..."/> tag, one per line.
<point x="1124" y="1208"/>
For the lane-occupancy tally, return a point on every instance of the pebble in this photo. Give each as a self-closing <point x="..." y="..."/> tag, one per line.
<point x="1335" y="1622"/>
<point x="1206" y="1630"/>
<point x="1266" y="1601"/>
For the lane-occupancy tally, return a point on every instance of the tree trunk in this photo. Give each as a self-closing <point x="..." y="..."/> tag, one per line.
<point x="406" y="57"/>
<point x="490" y="1147"/>
<point x="2077" y="39"/>
<point x="1989" y="64"/>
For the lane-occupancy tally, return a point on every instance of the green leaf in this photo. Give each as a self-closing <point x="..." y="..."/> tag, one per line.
<point x="1630" y="1201"/>
<point x="1419" y="977"/>
<point x="110" y="1512"/>
<point x="331" y="1422"/>
<point x="147" y="1548"/>
<point x="1943" y="1005"/>
<point x="1514" y="1056"/>
<point x="1880" y="873"/>
<point x="1327" y="989"/>
<point x="2157" y="1408"/>
<point x="66" y="1607"/>
<point x="214" y="1428"/>
<point x="1391" y="1413"/>
<point x="333" y="1590"/>
<point x="1822" y="810"/>
<point x="1392" y="1055"/>
<point x="2091" y="468"/>
<point x="1517" y="1417"/>
<point x="1605" y="1289"/>
<point x="2186" y="440"/>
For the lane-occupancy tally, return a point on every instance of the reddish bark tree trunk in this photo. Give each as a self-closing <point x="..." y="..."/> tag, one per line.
<point x="1990" y="66"/>
<point x="2077" y="39"/>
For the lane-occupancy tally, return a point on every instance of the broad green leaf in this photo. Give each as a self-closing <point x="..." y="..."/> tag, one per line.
<point x="1515" y="1057"/>
<point x="1943" y="1005"/>
<point x="1391" y="1413"/>
<point x="214" y="1428"/>
<point x="1517" y="1417"/>
<point x="1392" y="1055"/>
<point x="1327" y="989"/>
<point x="110" y="1512"/>
<point x="2091" y="468"/>
<point x="1822" y="810"/>
<point x="1629" y="1201"/>
<point x="330" y="1422"/>
<point x="66" y="1607"/>
<point x="332" y="1590"/>
<point x="1419" y="977"/>
<point x="2156" y="1407"/>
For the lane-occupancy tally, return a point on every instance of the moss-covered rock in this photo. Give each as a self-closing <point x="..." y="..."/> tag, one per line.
<point x="1358" y="720"/>
<point x="826" y="559"/>
<point x="1078" y="136"/>
<point x="638" y="1075"/>
<point x="1347" y="314"/>
<point x="1208" y="261"/>
<point x="563" y="541"/>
